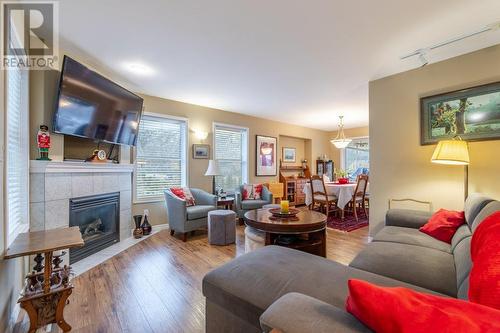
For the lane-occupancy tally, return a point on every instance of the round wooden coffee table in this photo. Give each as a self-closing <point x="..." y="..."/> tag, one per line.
<point x="306" y="233"/>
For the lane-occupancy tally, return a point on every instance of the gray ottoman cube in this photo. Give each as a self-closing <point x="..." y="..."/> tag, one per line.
<point x="221" y="227"/>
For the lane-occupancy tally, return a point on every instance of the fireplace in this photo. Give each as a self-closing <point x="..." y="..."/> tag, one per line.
<point x="98" y="217"/>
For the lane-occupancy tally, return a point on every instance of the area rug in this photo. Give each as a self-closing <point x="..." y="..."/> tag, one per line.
<point x="349" y="223"/>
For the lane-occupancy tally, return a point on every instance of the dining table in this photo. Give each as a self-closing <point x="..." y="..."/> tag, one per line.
<point x="343" y="192"/>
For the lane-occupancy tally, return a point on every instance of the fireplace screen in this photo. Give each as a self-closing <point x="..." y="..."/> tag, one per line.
<point x="98" y="218"/>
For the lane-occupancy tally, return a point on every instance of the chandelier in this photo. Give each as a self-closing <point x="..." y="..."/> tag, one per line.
<point x="341" y="141"/>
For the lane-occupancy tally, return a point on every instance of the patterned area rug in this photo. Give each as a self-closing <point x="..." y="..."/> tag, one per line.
<point x="349" y="223"/>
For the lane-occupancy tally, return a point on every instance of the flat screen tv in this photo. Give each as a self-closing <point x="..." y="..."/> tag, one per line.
<point x="91" y="106"/>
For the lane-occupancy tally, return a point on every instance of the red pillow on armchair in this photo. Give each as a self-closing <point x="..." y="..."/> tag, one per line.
<point x="392" y="310"/>
<point x="252" y="191"/>
<point x="484" y="279"/>
<point x="443" y="224"/>
<point x="185" y="194"/>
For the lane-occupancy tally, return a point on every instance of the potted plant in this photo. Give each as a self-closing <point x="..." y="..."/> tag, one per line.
<point x="342" y="176"/>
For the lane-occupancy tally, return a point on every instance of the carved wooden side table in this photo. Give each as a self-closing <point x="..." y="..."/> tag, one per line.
<point x="45" y="294"/>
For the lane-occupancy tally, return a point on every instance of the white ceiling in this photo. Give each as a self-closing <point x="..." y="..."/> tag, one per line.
<point x="303" y="62"/>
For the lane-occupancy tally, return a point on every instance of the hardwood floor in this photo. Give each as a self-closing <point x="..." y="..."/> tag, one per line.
<point x="155" y="285"/>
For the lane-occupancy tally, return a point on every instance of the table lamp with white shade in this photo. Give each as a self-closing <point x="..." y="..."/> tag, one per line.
<point x="454" y="152"/>
<point x="213" y="170"/>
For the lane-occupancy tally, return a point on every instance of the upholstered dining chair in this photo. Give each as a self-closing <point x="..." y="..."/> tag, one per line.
<point x="320" y="196"/>
<point x="359" y="196"/>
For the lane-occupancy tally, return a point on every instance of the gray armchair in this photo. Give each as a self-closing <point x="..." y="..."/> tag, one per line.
<point x="183" y="219"/>
<point x="243" y="206"/>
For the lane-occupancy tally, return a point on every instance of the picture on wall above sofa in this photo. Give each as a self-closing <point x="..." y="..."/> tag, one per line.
<point x="265" y="164"/>
<point x="473" y="114"/>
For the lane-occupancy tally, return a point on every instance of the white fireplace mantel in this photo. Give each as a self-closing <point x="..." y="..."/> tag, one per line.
<point x="76" y="167"/>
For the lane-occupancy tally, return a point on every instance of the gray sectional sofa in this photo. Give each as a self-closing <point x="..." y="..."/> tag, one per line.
<point x="276" y="287"/>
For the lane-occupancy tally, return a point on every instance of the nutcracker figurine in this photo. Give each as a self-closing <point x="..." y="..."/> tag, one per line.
<point x="43" y="140"/>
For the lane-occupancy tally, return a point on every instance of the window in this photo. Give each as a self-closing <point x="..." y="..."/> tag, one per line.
<point x="231" y="153"/>
<point x="16" y="152"/>
<point x="160" y="156"/>
<point x="356" y="157"/>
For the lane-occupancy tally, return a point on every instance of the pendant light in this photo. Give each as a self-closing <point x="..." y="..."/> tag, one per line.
<point x="341" y="141"/>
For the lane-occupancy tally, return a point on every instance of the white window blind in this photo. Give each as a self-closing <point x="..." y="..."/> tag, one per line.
<point x="160" y="157"/>
<point x="231" y="152"/>
<point x="16" y="152"/>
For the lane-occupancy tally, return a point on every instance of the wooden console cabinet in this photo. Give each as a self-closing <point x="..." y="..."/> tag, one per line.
<point x="294" y="179"/>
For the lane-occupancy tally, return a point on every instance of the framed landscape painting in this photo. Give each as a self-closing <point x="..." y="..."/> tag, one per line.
<point x="289" y="155"/>
<point x="265" y="164"/>
<point x="201" y="151"/>
<point x="472" y="114"/>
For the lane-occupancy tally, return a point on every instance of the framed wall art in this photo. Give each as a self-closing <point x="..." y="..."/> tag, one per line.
<point x="201" y="151"/>
<point x="289" y="155"/>
<point x="473" y="114"/>
<point x="265" y="164"/>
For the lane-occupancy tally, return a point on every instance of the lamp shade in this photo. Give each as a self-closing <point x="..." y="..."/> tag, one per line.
<point x="451" y="152"/>
<point x="213" y="168"/>
<point x="341" y="143"/>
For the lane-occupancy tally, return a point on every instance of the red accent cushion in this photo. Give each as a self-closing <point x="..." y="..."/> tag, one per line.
<point x="484" y="279"/>
<point x="399" y="309"/>
<point x="185" y="194"/>
<point x="443" y="224"/>
<point x="252" y="191"/>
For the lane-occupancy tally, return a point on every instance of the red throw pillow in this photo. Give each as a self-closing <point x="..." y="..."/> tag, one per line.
<point x="443" y="224"/>
<point x="252" y="191"/>
<point x="399" y="309"/>
<point x="484" y="279"/>
<point x="185" y="194"/>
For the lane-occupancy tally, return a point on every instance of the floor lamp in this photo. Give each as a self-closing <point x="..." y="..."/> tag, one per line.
<point x="454" y="152"/>
<point x="213" y="170"/>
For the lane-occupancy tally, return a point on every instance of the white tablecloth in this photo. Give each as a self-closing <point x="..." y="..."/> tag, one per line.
<point x="344" y="193"/>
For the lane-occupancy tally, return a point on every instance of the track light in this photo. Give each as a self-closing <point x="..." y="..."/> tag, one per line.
<point x="422" y="58"/>
<point x="421" y="53"/>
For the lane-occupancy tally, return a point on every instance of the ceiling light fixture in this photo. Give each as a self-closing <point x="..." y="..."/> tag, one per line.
<point x="421" y="53"/>
<point x="138" y="68"/>
<point x="341" y="141"/>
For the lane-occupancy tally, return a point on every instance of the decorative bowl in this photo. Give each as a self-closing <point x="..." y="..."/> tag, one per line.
<point x="276" y="212"/>
<point x="343" y="180"/>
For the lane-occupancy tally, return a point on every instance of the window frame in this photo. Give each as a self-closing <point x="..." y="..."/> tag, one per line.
<point x="343" y="157"/>
<point x="12" y="233"/>
<point x="185" y="157"/>
<point x="245" y="171"/>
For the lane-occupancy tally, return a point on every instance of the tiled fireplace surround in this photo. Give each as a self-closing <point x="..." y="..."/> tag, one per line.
<point x="52" y="184"/>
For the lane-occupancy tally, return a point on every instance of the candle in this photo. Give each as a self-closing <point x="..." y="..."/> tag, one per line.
<point x="284" y="206"/>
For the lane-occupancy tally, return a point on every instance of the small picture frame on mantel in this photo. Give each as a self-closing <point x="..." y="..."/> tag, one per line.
<point x="201" y="151"/>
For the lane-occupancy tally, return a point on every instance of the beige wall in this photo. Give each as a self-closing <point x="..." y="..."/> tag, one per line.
<point x="400" y="166"/>
<point x="300" y="149"/>
<point x="202" y="118"/>
<point x="43" y="91"/>
<point x="350" y="133"/>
